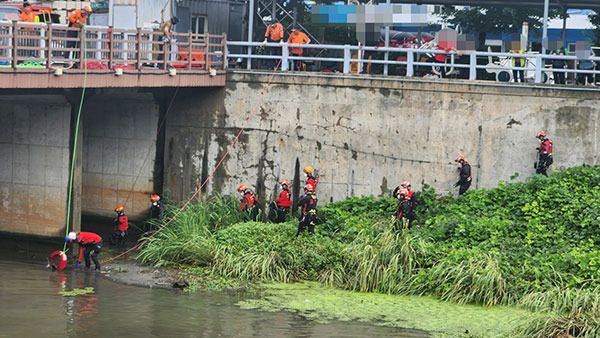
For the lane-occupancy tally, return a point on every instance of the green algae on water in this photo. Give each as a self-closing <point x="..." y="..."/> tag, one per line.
<point x="78" y="292"/>
<point x="322" y="304"/>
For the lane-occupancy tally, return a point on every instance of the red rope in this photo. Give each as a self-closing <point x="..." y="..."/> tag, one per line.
<point x="252" y="113"/>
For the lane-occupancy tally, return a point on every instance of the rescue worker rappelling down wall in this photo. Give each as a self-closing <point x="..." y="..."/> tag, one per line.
<point x="90" y="245"/>
<point x="249" y="203"/>
<point x="464" y="175"/>
<point x="308" y="210"/>
<point x="119" y="236"/>
<point x="283" y="202"/>
<point x="545" y="159"/>
<point x="401" y="219"/>
<point x="312" y="176"/>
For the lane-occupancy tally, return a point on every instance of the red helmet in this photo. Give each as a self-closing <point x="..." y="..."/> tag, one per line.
<point x="155" y="198"/>
<point x="119" y="208"/>
<point x="540" y="134"/>
<point x="402" y="193"/>
<point x="406" y="184"/>
<point x="284" y="182"/>
<point x="309" y="187"/>
<point x="459" y="158"/>
<point x="241" y="188"/>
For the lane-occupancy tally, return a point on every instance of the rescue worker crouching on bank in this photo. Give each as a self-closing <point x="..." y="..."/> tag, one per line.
<point x="402" y="210"/>
<point x="249" y="202"/>
<point x="312" y="176"/>
<point x="90" y="245"/>
<point x="545" y="159"/>
<point x="156" y="208"/>
<point x="308" y="207"/>
<point x="412" y="198"/>
<point x="464" y="175"/>
<point x="283" y="202"/>
<point x="119" y="235"/>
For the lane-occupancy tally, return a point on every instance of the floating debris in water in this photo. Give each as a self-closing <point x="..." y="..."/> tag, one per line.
<point x="78" y="292"/>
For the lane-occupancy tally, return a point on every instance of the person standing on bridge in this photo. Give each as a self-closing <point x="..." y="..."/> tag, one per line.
<point x="464" y="175"/>
<point x="90" y="245"/>
<point x="274" y="33"/>
<point x="308" y="207"/>
<point x="312" y="176"/>
<point x="249" y="202"/>
<point x="283" y="202"/>
<point x="545" y="159"/>
<point x="167" y="29"/>
<point x="77" y="19"/>
<point x="297" y="37"/>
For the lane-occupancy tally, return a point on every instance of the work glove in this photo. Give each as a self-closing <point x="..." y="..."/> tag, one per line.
<point x="265" y="43"/>
<point x="281" y="42"/>
<point x="77" y="265"/>
<point x="455" y="185"/>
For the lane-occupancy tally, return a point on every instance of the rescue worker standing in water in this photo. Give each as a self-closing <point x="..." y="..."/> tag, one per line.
<point x="308" y="207"/>
<point x="464" y="175"/>
<point x="90" y="245"/>
<point x="283" y="202"/>
<point x="249" y="202"/>
<point x="544" y="154"/>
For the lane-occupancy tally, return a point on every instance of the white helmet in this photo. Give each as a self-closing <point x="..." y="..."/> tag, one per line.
<point x="72" y="236"/>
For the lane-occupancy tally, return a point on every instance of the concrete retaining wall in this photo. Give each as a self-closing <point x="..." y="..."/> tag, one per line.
<point x="366" y="136"/>
<point x="34" y="153"/>
<point x="119" y="151"/>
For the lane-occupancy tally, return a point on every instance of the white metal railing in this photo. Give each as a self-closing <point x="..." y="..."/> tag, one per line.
<point x="534" y="62"/>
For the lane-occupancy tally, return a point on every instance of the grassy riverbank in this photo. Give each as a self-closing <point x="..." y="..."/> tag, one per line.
<point x="531" y="244"/>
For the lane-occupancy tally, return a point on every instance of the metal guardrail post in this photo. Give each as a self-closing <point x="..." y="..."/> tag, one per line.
<point x="82" y="33"/>
<point x="224" y="51"/>
<point x="49" y="38"/>
<point x="15" y="44"/>
<point x="538" y="68"/>
<point x="189" y="56"/>
<point x="42" y="43"/>
<point x="473" y="66"/>
<point x="139" y="49"/>
<point x="410" y="67"/>
<point x="110" y="47"/>
<point x="346" y="59"/>
<point x="285" y="52"/>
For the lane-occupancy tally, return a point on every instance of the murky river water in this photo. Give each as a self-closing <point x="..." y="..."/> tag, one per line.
<point x="31" y="306"/>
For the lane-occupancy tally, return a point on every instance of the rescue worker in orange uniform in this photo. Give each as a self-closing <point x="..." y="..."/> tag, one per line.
<point x="308" y="207"/>
<point x="544" y="154"/>
<point x="27" y="15"/>
<point x="249" y="202"/>
<point x="77" y="19"/>
<point x="312" y="176"/>
<point x="297" y="37"/>
<point x="464" y="175"/>
<point x="402" y="210"/>
<point x="283" y="202"/>
<point x="90" y="245"/>
<point x="119" y="235"/>
<point x="412" y="198"/>
<point x="274" y="33"/>
<point x="156" y="208"/>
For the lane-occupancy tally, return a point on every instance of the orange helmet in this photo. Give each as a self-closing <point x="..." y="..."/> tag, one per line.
<point x="155" y="198"/>
<point x="308" y="169"/>
<point x="406" y="184"/>
<point x="241" y="188"/>
<point x="284" y="182"/>
<point x="119" y="208"/>
<point x="402" y="193"/>
<point x="459" y="158"/>
<point x="309" y="187"/>
<point x="540" y="134"/>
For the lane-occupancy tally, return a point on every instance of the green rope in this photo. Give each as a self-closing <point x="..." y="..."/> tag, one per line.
<point x="76" y="137"/>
